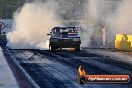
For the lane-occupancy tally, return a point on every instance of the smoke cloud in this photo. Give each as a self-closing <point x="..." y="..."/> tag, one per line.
<point x="90" y="14"/>
<point x="33" y="22"/>
<point x="114" y="16"/>
<point x="123" y="18"/>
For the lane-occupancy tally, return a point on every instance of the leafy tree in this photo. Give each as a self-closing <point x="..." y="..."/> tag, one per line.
<point x="7" y="7"/>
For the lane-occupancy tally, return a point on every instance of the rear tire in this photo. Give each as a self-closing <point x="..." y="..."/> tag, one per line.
<point x="52" y="48"/>
<point x="77" y="48"/>
<point x="49" y="47"/>
<point x="60" y="48"/>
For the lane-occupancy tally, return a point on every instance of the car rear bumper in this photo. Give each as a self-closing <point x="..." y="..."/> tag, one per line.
<point x="65" y="44"/>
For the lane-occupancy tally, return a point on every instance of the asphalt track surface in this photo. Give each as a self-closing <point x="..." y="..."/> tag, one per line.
<point x="58" y="69"/>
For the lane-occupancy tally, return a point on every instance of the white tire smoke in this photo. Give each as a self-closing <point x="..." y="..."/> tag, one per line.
<point x="33" y="22"/>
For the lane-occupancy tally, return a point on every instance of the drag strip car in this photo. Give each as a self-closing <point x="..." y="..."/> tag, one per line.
<point x="64" y="37"/>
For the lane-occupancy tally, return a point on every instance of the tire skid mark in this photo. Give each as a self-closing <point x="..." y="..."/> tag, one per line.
<point x="54" y="80"/>
<point x="73" y="61"/>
